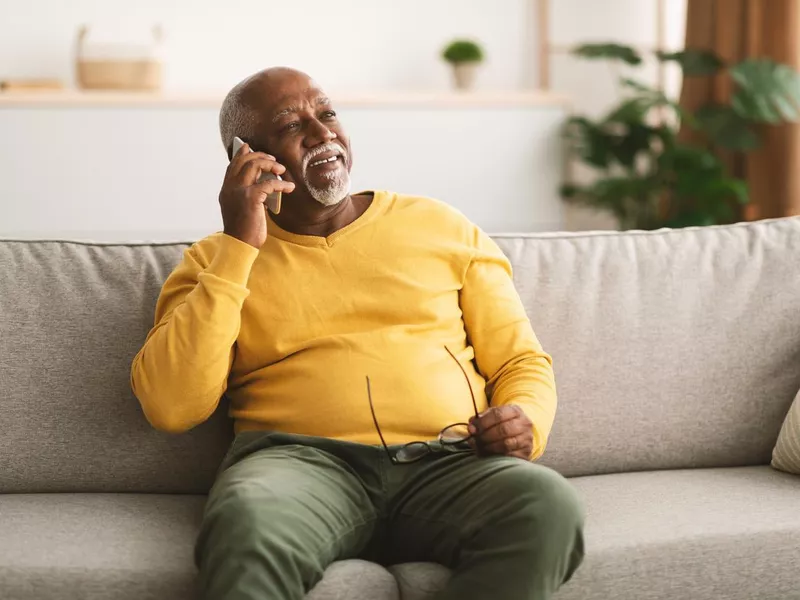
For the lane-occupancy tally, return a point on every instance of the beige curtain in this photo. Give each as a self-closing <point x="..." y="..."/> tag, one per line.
<point x="735" y="30"/>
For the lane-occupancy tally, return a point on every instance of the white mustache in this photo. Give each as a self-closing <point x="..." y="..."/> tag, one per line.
<point x="315" y="152"/>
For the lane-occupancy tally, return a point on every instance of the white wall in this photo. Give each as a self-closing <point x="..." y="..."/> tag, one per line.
<point x="349" y="46"/>
<point x="156" y="175"/>
<point x="592" y="85"/>
<point x="346" y="44"/>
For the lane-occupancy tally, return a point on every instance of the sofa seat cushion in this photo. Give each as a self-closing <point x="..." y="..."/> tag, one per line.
<point x="723" y="533"/>
<point x="718" y="533"/>
<point x="128" y="546"/>
<point x="56" y="546"/>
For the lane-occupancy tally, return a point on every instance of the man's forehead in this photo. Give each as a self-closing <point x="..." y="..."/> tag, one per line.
<point x="291" y="103"/>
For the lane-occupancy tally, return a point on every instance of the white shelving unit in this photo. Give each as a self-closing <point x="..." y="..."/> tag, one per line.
<point x="76" y="98"/>
<point x="149" y="166"/>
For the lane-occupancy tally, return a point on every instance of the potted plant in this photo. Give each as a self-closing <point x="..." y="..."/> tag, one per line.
<point x="648" y="175"/>
<point x="464" y="56"/>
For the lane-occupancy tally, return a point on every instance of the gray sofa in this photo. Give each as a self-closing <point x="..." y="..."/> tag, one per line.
<point x="677" y="355"/>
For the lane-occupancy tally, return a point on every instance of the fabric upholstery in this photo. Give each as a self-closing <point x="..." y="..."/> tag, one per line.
<point x="700" y="534"/>
<point x="97" y="546"/>
<point x="786" y="455"/>
<point x="721" y="533"/>
<point x="703" y="534"/>
<point x="672" y="349"/>
<point x="356" y="580"/>
<point x="420" y="581"/>
<point x="128" y="546"/>
<point x="72" y="316"/>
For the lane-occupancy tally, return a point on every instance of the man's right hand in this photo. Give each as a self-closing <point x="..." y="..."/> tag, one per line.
<point x="242" y="198"/>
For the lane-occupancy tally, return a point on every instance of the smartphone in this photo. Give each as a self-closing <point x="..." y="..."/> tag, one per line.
<point x="274" y="199"/>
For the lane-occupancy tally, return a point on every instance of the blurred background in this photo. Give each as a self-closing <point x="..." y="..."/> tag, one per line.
<point x="108" y="109"/>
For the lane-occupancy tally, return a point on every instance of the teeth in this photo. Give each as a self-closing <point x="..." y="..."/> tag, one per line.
<point x="325" y="160"/>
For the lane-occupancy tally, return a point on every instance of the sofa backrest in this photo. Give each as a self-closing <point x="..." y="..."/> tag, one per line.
<point x="72" y="317"/>
<point x="672" y="349"/>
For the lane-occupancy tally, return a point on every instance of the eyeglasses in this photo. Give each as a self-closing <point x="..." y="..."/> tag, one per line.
<point x="452" y="438"/>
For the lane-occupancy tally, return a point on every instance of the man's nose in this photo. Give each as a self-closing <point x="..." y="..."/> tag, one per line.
<point x="320" y="134"/>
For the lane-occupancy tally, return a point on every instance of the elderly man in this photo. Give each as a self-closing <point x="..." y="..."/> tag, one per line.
<point x="388" y="392"/>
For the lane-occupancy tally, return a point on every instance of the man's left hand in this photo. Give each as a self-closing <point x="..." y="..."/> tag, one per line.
<point x="503" y="430"/>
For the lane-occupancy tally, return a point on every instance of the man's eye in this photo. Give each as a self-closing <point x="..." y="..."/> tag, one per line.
<point x="292" y="126"/>
<point x="329" y="114"/>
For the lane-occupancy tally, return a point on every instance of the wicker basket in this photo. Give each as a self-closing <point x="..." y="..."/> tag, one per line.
<point x="117" y="70"/>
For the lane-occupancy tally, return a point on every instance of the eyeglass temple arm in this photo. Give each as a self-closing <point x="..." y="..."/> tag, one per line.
<point x="374" y="418"/>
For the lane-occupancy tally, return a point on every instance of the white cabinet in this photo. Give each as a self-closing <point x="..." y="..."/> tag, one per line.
<point x="111" y="167"/>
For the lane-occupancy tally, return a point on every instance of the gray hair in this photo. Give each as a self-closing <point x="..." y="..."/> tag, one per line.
<point x="237" y="117"/>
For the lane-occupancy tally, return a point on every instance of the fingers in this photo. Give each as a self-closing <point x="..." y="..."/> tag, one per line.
<point x="504" y="430"/>
<point x="244" y="156"/>
<point x="519" y="447"/>
<point x="501" y="432"/>
<point x="518" y="444"/>
<point x="254" y="164"/>
<point x="495" y="416"/>
<point x="261" y="190"/>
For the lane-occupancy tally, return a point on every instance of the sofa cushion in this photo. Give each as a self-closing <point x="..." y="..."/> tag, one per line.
<point x="98" y="546"/>
<point x="356" y="580"/>
<point x="420" y="581"/>
<point x="672" y="349"/>
<point x="128" y="546"/>
<point x="72" y="317"/>
<point x="720" y="533"/>
<point x="786" y="455"/>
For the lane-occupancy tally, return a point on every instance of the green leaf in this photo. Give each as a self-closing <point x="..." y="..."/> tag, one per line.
<point x="462" y="51"/>
<point x="590" y="141"/>
<point x="689" y="219"/>
<point x="570" y="191"/>
<point x="693" y="62"/>
<point x="768" y="92"/>
<point x="655" y="97"/>
<point x="667" y="136"/>
<point x="726" y="127"/>
<point x="610" y="192"/>
<point x="633" y="110"/>
<point x="733" y="188"/>
<point x="609" y="51"/>
<point x="636" y="139"/>
<point x="682" y="159"/>
<point x="638" y="86"/>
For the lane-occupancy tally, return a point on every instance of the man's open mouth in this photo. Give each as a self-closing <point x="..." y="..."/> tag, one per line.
<point x="327" y="157"/>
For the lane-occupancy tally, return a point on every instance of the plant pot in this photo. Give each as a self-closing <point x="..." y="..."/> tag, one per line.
<point x="464" y="75"/>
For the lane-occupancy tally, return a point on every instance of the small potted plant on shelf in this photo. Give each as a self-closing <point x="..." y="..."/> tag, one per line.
<point x="464" y="56"/>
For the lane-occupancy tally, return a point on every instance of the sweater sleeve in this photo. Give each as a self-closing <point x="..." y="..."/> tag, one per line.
<point x="507" y="352"/>
<point x="182" y="370"/>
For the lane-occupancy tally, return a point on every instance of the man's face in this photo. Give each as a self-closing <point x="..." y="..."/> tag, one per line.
<point x="301" y="129"/>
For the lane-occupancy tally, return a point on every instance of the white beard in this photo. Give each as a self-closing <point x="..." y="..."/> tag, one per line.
<point x="335" y="192"/>
<point x="339" y="180"/>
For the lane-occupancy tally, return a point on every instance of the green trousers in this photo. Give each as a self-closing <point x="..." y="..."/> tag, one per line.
<point x="284" y="507"/>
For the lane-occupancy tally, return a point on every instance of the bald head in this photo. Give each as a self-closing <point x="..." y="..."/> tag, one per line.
<point x="249" y="101"/>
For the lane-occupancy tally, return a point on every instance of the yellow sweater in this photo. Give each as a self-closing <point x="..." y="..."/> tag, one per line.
<point x="289" y="332"/>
